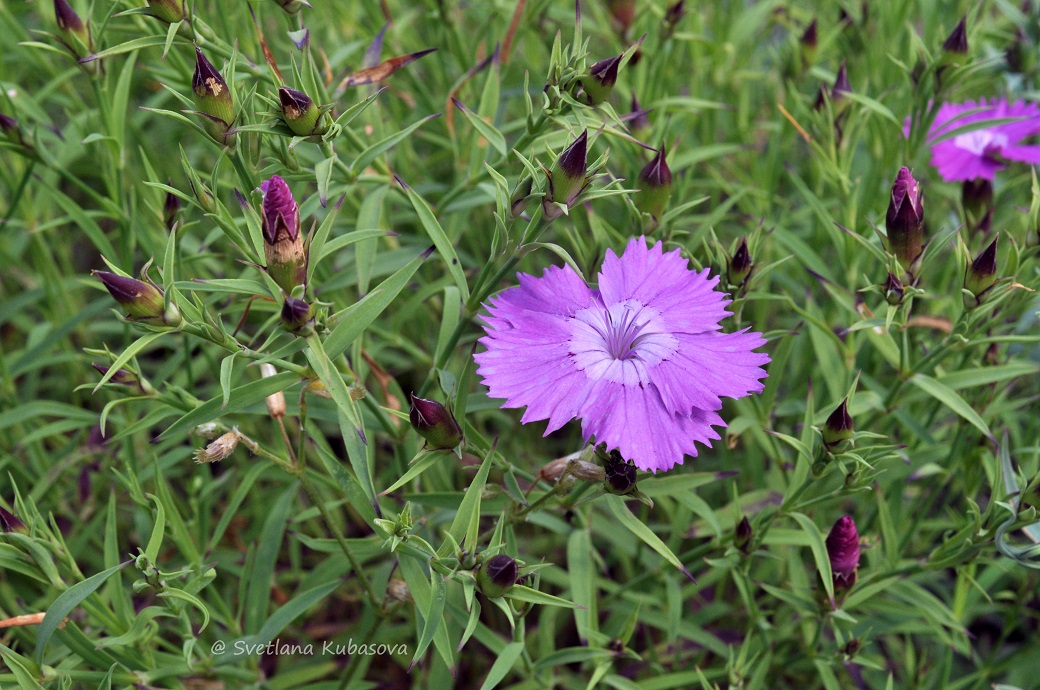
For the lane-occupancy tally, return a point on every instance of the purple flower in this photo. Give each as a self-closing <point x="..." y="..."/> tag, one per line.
<point x="843" y="549"/>
<point x="980" y="153"/>
<point x="640" y="361"/>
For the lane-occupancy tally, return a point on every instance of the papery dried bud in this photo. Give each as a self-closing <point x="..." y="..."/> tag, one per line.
<point x="169" y="11"/>
<point x="296" y="315"/>
<point x="397" y="589"/>
<point x="219" y="449"/>
<point x="740" y="266"/>
<point x="520" y="196"/>
<point x="742" y="535"/>
<point x="905" y="220"/>
<point x="213" y="100"/>
<point x="957" y="42"/>
<point x="143" y="301"/>
<point x="571" y="467"/>
<point x="293" y="6"/>
<point x="980" y="275"/>
<point x="210" y="430"/>
<point x="894" y="290"/>
<point x="9" y="522"/>
<point x="977" y="200"/>
<point x="300" y="114"/>
<point x="655" y="188"/>
<point x="568" y="178"/>
<point x="435" y="423"/>
<point x="497" y="575"/>
<point x="284" y="245"/>
<point x="599" y="82"/>
<point x="620" y="475"/>
<point x="843" y="552"/>
<point x="275" y="402"/>
<point x="839" y="429"/>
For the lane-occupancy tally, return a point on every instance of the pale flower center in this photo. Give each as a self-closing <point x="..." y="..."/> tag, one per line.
<point x="981" y="142"/>
<point x="620" y="343"/>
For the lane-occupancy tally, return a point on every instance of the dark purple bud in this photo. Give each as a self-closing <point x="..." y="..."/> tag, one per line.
<point x="838" y="430"/>
<point x="497" y="575"/>
<point x="843" y="552"/>
<point x="435" y="423"/>
<point x="296" y="315"/>
<point x="740" y="266"/>
<point x="213" y="100"/>
<point x="981" y="274"/>
<point x="894" y="290"/>
<point x="171" y="206"/>
<point x="67" y="19"/>
<point x="619" y="475"/>
<point x="672" y="16"/>
<point x="655" y="188"/>
<point x="169" y="11"/>
<point x="284" y="245"/>
<point x="905" y="220"/>
<point x="9" y="522"/>
<point x="142" y="301"/>
<point x="300" y="113"/>
<point x="809" y="38"/>
<point x="638" y="120"/>
<point x="600" y="80"/>
<point x="957" y="42"/>
<point x="121" y="377"/>
<point x="75" y="33"/>
<point x="742" y="535"/>
<point x="841" y="83"/>
<point x="568" y="178"/>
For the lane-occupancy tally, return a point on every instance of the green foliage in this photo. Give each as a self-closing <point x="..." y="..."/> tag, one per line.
<point x="317" y="543"/>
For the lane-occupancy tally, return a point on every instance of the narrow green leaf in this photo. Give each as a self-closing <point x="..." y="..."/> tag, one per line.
<point x="258" y="587"/>
<point x="819" y="551"/>
<point x="433" y="616"/>
<point x="533" y="596"/>
<point x="952" y="400"/>
<point x="462" y="527"/>
<point x="440" y="239"/>
<point x="155" y="541"/>
<point x="637" y="527"/>
<point x="504" y="663"/>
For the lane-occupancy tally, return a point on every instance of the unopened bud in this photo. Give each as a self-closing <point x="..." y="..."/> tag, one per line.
<point x="398" y="589"/>
<point x="435" y="423"/>
<point x="655" y="188"/>
<point x="905" y="221"/>
<point x="841" y="84"/>
<point x="122" y="377"/>
<point x="520" y="196"/>
<point x="497" y="575"/>
<point x="143" y="301"/>
<point x="980" y="275"/>
<point x="292" y="6"/>
<point x="740" y="266"/>
<point x="75" y="33"/>
<point x="957" y="42"/>
<point x="838" y="430"/>
<point x="568" y="178"/>
<point x="219" y="449"/>
<point x="638" y="121"/>
<point x="620" y="475"/>
<point x="171" y="206"/>
<point x="893" y="290"/>
<point x="807" y="44"/>
<point x="843" y="552"/>
<point x="213" y="101"/>
<point x="672" y="16"/>
<point x="296" y="315"/>
<point x="275" y="402"/>
<point x="300" y="114"/>
<point x="169" y="11"/>
<point x="742" y="535"/>
<point x="9" y="522"/>
<point x="599" y="82"/>
<point x="284" y="245"/>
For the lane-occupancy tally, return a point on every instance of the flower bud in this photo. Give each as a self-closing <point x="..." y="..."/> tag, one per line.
<point x="293" y="6"/>
<point x="300" y="114"/>
<point x="600" y="80"/>
<point x="655" y="187"/>
<point x="742" y="535"/>
<point x="672" y="16"/>
<point x="957" y="42"/>
<point x="905" y="221"/>
<point x="169" y="11"/>
<point x="296" y="315"/>
<point x="143" y="301"/>
<point x="75" y="33"/>
<point x="9" y="522"/>
<point x="284" y="245"/>
<point x="841" y="84"/>
<point x="894" y="290"/>
<point x="807" y="44"/>
<point x="639" y="123"/>
<point x="980" y="275"/>
<point x="122" y="377"/>
<point x="740" y="266"/>
<point x="568" y="178"/>
<point x="838" y="430"/>
<point x="219" y="449"/>
<point x="12" y="131"/>
<point x="275" y="401"/>
<point x="435" y="423"/>
<point x="620" y="475"/>
<point x="213" y="100"/>
<point x="520" y="196"/>
<point x="977" y="201"/>
<point x="171" y="207"/>
<point x="843" y="552"/>
<point x="497" y="575"/>
<point x="397" y="589"/>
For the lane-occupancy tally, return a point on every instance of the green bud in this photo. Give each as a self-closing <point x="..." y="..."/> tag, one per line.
<point x="838" y="430"/>
<point x="568" y="178"/>
<point x="956" y="44"/>
<point x="435" y="423"/>
<point x="300" y="114"/>
<point x="655" y="188"/>
<point x="74" y="32"/>
<point x="497" y="575"/>
<point x="599" y="82"/>
<point x="143" y="301"/>
<point x="740" y="266"/>
<point x="980" y="275"/>
<point x="213" y="101"/>
<point x="520" y="196"/>
<point x="894" y="290"/>
<point x="169" y="11"/>
<point x="807" y="44"/>
<point x="742" y="535"/>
